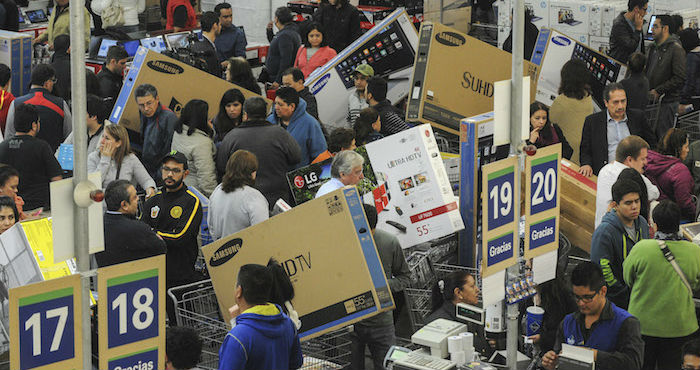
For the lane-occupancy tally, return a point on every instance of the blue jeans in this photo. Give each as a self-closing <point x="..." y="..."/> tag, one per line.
<point x="378" y="338"/>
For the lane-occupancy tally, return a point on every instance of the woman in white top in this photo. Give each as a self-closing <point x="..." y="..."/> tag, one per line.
<point x="115" y="160"/>
<point x="130" y="10"/>
<point x="235" y="204"/>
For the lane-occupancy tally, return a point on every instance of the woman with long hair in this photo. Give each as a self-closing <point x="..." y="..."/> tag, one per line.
<point x="8" y="213"/>
<point x="240" y="73"/>
<point x="192" y="137"/>
<point x="315" y="52"/>
<point x="230" y="114"/>
<point x="574" y="103"/>
<point x="544" y="133"/>
<point x="235" y="204"/>
<point x="367" y="126"/>
<point x="9" y="187"/>
<point x="115" y="160"/>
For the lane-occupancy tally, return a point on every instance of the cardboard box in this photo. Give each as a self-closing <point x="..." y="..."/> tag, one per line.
<point x="459" y="19"/>
<point x="431" y="6"/>
<point x="177" y="84"/>
<point x="578" y="194"/>
<point x="569" y="16"/>
<point x="600" y="44"/>
<point x="443" y="91"/>
<point x="539" y="9"/>
<point x="327" y="250"/>
<point x="16" y="52"/>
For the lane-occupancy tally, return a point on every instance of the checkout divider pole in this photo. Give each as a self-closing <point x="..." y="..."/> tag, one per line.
<point x="516" y="118"/>
<point x="79" y="114"/>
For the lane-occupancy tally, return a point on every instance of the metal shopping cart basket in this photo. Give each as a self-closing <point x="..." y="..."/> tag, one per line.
<point x="690" y="123"/>
<point x="656" y="111"/>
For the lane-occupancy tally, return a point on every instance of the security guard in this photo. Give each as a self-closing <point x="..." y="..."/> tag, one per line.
<point x="176" y="215"/>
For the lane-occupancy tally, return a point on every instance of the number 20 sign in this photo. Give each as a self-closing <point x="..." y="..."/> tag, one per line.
<point x="45" y="329"/>
<point x="542" y="201"/>
<point x="132" y="303"/>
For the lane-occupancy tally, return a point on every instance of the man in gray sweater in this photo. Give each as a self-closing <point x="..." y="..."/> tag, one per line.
<point x="276" y="149"/>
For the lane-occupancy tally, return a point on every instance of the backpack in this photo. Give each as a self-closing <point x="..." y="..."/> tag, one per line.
<point x="113" y="15"/>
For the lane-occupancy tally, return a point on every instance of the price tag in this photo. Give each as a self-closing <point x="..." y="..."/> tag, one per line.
<point x="132" y="302"/>
<point x="499" y="199"/>
<point x="542" y="178"/>
<point x="45" y="324"/>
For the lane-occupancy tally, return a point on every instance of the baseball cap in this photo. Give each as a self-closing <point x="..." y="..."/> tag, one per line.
<point x="177" y="157"/>
<point x="364" y="69"/>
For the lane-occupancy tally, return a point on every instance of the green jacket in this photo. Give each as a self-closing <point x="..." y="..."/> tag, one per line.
<point x="59" y="24"/>
<point x="659" y="299"/>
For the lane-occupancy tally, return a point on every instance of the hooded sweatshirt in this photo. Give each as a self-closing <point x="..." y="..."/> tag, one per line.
<point x="306" y="131"/>
<point x="263" y="338"/>
<point x="610" y="246"/>
<point x="674" y="180"/>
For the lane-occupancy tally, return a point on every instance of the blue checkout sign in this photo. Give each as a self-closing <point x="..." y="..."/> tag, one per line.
<point x="500" y="197"/>
<point x="46" y="328"/>
<point x="543" y="184"/>
<point x="146" y="359"/>
<point x="132" y="311"/>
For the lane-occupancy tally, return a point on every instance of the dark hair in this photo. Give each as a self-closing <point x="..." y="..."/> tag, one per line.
<point x="261" y="284"/>
<point x="8" y="202"/>
<point x="6" y="173"/>
<point x="208" y="20"/>
<point x="284" y="15"/>
<point x="456" y="279"/>
<point x="588" y="274"/>
<point x="297" y="74"/>
<point x="631" y="146"/>
<point x="666" y="20"/>
<point x="220" y="6"/>
<point x="575" y="79"/>
<point x="239" y="171"/>
<point x="692" y="348"/>
<point x="622" y="187"/>
<point x="255" y="108"/>
<point x="5" y="74"/>
<point x="630" y="174"/>
<point x="145" y="90"/>
<point x="92" y="84"/>
<point x="340" y="138"/>
<point x="240" y="73"/>
<point x="631" y="4"/>
<point x="546" y="131"/>
<point x="315" y="26"/>
<point x="689" y="39"/>
<point x="282" y="288"/>
<point x="42" y="73"/>
<point x="556" y="294"/>
<point x="223" y="123"/>
<point x="96" y="107"/>
<point x="363" y="124"/>
<point x="117" y="192"/>
<point x="609" y="88"/>
<point x="673" y="142"/>
<point x="371" y="213"/>
<point x="25" y="115"/>
<point x="116" y="52"/>
<point x="377" y="87"/>
<point x="183" y="346"/>
<point x="677" y="23"/>
<point x="667" y="216"/>
<point x="195" y="115"/>
<point x="61" y="43"/>
<point x="637" y="62"/>
<point x="288" y="95"/>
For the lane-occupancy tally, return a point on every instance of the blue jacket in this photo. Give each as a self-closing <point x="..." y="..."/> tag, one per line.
<point x="610" y="246"/>
<point x="603" y="334"/>
<point x="157" y="133"/>
<point x="306" y="131"/>
<point x="231" y="42"/>
<point x="263" y="338"/>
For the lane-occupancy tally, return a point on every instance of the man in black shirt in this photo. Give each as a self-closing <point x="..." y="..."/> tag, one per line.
<point x="111" y="75"/>
<point x="32" y="157"/>
<point x="126" y="238"/>
<point x="206" y="49"/>
<point x="294" y="78"/>
<point x="389" y="116"/>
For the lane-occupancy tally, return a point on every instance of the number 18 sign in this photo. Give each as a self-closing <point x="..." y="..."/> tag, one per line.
<point x="499" y="227"/>
<point x="132" y="303"/>
<point x="45" y="328"/>
<point x="542" y="201"/>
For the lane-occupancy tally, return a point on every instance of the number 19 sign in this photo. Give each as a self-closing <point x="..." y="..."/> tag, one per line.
<point x="499" y="227"/>
<point x="132" y="301"/>
<point x="542" y="201"/>
<point x="45" y="329"/>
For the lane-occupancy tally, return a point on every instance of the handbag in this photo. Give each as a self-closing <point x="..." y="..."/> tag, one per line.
<point x="113" y="15"/>
<point x="672" y="260"/>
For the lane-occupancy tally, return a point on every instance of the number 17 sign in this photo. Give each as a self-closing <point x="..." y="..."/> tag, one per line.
<point x="499" y="227"/>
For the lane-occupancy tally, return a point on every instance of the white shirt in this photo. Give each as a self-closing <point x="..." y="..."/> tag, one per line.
<point x="606" y="178"/>
<point x="329" y="186"/>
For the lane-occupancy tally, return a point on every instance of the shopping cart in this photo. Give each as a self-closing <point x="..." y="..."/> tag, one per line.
<point x="690" y="123"/>
<point x="658" y="110"/>
<point x="196" y="307"/>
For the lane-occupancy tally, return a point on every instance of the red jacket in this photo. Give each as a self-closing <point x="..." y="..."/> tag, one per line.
<point x="191" y="15"/>
<point x="674" y="181"/>
<point x="321" y="57"/>
<point x="6" y="98"/>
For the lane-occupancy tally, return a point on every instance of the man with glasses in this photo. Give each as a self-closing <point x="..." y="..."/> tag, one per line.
<point x="612" y="333"/>
<point x="691" y="355"/>
<point x="176" y="215"/>
<point x="627" y="33"/>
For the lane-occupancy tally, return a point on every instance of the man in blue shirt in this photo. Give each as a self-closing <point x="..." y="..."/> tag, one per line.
<point x="231" y="42"/>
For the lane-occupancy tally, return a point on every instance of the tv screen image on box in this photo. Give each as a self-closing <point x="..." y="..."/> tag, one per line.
<point x="36" y="16"/>
<point x="603" y="70"/>
<point x="177" y="40"/>
<point x="104" y="46"/>
<point x="131" y="46"/>
<point x="156" y="43"/>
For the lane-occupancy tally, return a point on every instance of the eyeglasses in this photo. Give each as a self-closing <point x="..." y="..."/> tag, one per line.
<point x="175" y="171"/>
<point x="586" y="298"/>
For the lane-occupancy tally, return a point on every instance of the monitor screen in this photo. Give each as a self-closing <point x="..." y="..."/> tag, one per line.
<point x="198" y="33"/>
<point x="156" y="43"/>
<point x="131" y="46"/>
<point x="21" y="18"/>
<point x="104" y="46"/>
<point x="602" y="69"/>
<point x="177" y="40"/>
<point x="36" y="16"/>
<point x="651" y="25"/>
